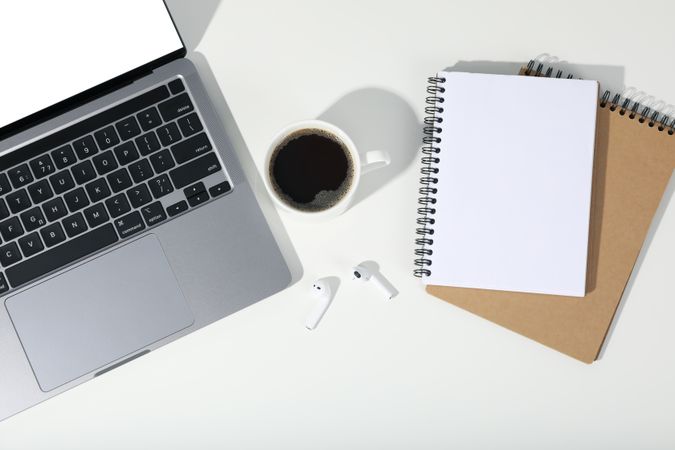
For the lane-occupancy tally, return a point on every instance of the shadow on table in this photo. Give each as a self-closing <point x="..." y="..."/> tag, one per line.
<point x="248" y="165"/>
<point x="377" y="119"/>
<point x="192" y="19"/>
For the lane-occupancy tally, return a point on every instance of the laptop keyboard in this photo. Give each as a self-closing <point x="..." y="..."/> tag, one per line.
<point x="103" y="180"/>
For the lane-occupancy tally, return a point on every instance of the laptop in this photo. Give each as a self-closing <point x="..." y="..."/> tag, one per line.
<point x="126" y="220"/>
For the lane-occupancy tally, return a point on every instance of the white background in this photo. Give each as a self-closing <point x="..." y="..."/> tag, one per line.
<point x="413" y="373"/>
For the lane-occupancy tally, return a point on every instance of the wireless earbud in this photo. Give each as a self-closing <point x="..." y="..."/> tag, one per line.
<point x="363" y="274"/>
<point x="322" y="292"/>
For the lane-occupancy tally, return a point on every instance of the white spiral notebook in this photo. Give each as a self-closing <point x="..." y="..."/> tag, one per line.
<point x="506" y="192"/>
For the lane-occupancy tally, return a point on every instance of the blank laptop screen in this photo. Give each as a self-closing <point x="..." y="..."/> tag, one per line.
<point x="53" y="50"/>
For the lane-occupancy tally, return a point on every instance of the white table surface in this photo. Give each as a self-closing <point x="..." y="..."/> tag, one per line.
<point x="414" y="372"/>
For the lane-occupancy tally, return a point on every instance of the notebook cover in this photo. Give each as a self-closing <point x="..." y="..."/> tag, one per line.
<point x="633" y="164"/>
<point x="514" y="215"/>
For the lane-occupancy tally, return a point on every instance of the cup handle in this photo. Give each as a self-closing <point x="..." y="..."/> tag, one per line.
<point x="375" y="159"/>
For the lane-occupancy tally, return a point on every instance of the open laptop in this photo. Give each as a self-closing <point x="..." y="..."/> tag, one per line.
<point x="126" y="221"/>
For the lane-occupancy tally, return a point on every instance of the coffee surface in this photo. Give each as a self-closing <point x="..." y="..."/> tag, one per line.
<point x="311" y="170"/>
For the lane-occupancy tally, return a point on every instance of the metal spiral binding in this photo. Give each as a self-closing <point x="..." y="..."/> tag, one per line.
<point x="427" y="190"/>
<point x="635" y="104"/>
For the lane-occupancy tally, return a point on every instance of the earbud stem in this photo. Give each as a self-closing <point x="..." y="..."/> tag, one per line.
<point x="317" y="313"/>
<point x="383" y="285"/>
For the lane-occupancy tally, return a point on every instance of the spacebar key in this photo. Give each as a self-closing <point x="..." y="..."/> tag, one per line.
<point x="81" y="246"/>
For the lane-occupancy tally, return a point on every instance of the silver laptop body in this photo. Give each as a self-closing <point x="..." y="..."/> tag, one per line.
<point x="92" y="281"/>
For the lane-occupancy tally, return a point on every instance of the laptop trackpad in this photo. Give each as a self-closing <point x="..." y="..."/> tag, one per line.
<point x="99" y="312"/>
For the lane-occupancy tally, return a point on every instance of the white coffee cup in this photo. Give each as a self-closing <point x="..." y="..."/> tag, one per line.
<point x="369" y="161"/>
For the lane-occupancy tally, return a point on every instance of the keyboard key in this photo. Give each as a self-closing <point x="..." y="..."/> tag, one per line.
<point x="141" y="171"/>
<point x="177" y="208"/>
<point x="129" y="224"/>
<point x="162" y="161"/>
<point x="198" y="199"/>
<point x="195" y="170"/>
<point x="11" y="228"/>
<point x="9" y="254"/>
<point x="149" y="119"/>
<point x="93" y="123"/>
<point x="62" y="255"/>
<point x="190" y="125"/>
<point x="176" y="106"/>
<point x="62" y="181"/>
<point x="40" y="191"/>
<point x="4" y="211"/>
<point x="118" y="205"/>
<point x="53" y="234"/>
<point x="219" y="189"/>
<point x="105" y="162"/>
<point x="168" y="134"/>
<point x="55" y="209"/>
<point x="18" y="201"/>
<point x="84" y="172"/>
<point x="106" y="137"/>
<point x="98" y="190"/>
<point x="153" y="213"/>
<point x="42" y="166"/>
<point x="191" y="148"/>
<point x="139" y="195"/>
<point x="96" y="215"/>
<point x="148" y="143"/>
<point x="74" y="225"/>
<point x="128" y="128"/>
<point x="4" y="184"/>
<point x="20" y="175"/>
<point x="176" y="86"/>
<point x="76" y="199"/>
<point x="64" y="156"/>
<point x="33" y="219"/>
<point x="119" y="180"/>
<point x="160" y="186"/>
<point x="85" y="147"/>
<point x="195" y="189"/>
<point x="30" y="244"/>
<point x="4" y="286"/>
<point x="126" y="153"/>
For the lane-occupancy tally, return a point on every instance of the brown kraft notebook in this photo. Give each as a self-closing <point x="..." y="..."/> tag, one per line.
<point x="634" y="160"/>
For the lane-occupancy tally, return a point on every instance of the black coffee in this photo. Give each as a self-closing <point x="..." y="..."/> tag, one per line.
<point x="311" y="170"/>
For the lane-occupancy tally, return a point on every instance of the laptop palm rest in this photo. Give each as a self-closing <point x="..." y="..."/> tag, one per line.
<point x="99" y="312"/>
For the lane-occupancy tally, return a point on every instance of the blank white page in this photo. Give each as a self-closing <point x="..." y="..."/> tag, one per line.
<point x="514" y="188"/>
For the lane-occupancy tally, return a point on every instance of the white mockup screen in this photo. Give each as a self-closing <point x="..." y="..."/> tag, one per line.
<point x="53" y="50"/>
